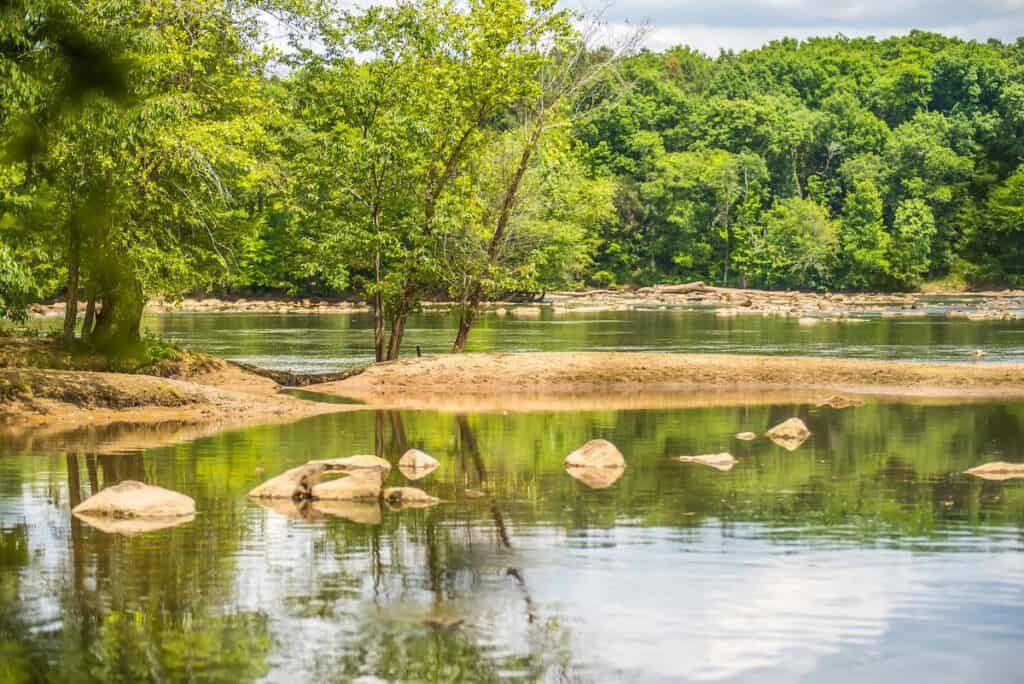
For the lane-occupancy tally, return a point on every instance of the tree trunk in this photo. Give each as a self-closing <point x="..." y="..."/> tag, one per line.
<point x="118" y="323"/>
<point x="472" y="306"/>
<point x="90" y="311"/>
<point x="465" y="325"/>
<point x="378" y="312"/>
<point x="398" y="323"/>
<point x="71" y="305"/>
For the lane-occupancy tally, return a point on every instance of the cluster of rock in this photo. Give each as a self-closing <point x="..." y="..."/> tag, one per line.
<point x="789" y="435"/>
<point x="362" y="480"/>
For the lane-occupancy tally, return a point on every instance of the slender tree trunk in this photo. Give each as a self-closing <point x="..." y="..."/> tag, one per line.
<point x="71" y="306"/>
<point x="378" y="312"/>
<point x="398" y="322"/>
<point x="90" y="311"/>
<point x="472" y="307"/>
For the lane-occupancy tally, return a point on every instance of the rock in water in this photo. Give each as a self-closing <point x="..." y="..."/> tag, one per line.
<point x="596" y="478"/>
<point x="597" y="453"/>
<point x="131" y="499"/>
<point x="416" y="464"/>
<point x="997" y="470"/>
<point x="408" y="497"/>
<point x="746" y="436"/>
<point x="414" y="458"/>
<point x="296" y="483"/>
<point x="721" y="461"/>
<point x="841" y="402"/>
<point x="361" y="487"/>
<point x="355" y="463"/>
<point x="789" y="434"/>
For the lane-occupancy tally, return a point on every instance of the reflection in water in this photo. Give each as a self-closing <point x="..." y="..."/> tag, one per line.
<point x="867" y="547"/>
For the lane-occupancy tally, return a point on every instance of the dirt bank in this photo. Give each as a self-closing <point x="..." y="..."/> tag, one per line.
<point x="188" y="395"/>
<point x="535" y="381"/>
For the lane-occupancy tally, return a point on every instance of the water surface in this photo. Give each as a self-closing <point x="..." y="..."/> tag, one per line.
<point x="309" y="342"/>
<point x="864" y="555"/>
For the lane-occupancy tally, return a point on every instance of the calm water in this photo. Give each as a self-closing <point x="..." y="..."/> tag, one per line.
<point x="863" y="556"/>
<point x="312" y="342"/>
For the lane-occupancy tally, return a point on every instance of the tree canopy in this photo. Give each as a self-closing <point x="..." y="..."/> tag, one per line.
<point x="469" y="151"/>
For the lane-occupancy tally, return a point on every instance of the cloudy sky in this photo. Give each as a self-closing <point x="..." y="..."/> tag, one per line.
<point x="711" y="25"/>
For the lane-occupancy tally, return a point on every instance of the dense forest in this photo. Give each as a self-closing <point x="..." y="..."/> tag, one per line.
<point x="475" y="150"/>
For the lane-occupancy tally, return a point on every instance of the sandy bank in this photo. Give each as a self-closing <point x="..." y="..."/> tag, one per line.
<point x="106" y="411"/>
<point x="594" y="380"/>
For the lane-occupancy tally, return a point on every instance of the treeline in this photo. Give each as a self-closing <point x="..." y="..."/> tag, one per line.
<point x="482" y="149"/>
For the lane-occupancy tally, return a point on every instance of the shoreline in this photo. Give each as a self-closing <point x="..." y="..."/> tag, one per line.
<point x="725" y="301"/>
<point x="596" y="380"/>
<point x="100" y="410"/>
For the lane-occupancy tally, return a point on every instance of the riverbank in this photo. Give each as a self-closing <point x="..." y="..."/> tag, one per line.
<point x="46" y="392"/>
<point x="981" y="305"/>
<point x="594" y="380"/>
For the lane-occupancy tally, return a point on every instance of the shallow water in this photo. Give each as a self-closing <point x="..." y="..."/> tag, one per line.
<point x="309" y="342"/>
<point x="863" y="555"/>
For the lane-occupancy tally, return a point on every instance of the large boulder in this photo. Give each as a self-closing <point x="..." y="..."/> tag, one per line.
<point x="997" y="470"/>
<point x="131" y="499"/>
<point x="597" y="453"/>
<point x="723" y="461"/>
<point x="408" y="497"/>
<point x="789" y="434"/>
<point x="296" y="483"/>
<point x="361" y="487"/>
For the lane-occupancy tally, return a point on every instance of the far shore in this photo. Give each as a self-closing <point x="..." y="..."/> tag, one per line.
<point x="724" y="301"/>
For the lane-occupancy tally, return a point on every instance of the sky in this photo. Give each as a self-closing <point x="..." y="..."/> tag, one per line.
<point x="713" y="25"/>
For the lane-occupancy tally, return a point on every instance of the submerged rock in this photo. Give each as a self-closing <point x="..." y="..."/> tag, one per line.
<point x="409" y="497"/>
<point x="840" y="402"/>
<point x="597" y="453"/>
<point x="131" y="499"/>
<point x="723" y="461"/>
<point x="359" y="512"/>
<point x="595" y="477"/>
<point x="474" y="494"/>
<point x="997" y="470"/>
<point x="789" y="434"/>
<point x="355" y="487"/>
<point x="416" y="464"/>
<point x="746" y="436"/>
<point x="296" y="483"/>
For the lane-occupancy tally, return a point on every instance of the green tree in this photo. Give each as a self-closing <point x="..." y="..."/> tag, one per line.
<point x="864" y="242"/>
<point x="910" y="248"/>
